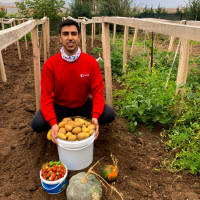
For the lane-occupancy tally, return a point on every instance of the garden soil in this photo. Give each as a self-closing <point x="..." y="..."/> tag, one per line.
<point x="22" y="151"/>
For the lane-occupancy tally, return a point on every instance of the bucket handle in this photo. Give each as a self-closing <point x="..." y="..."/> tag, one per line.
<point x="51" y="188"/>
<point x="79" y="148"/>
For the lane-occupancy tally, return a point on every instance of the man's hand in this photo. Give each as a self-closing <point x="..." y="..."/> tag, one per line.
<point x="95" y="122"/>
<point x="53" y="134"/>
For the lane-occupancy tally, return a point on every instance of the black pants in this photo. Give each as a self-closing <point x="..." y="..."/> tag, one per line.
<point x="39" y="124"/>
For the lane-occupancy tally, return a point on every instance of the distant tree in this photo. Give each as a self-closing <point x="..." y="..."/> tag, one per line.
<point x="192" y="9"/>
<point x="122" y="8"/>
<point x="148" y="10"/>
<point x="164" y="11"/>
<point x="81" y="9"/>
<point x="178" y="10"/>
<point x="159" y="9"/>
<point x="151" y="10"/>
<point x="145" y="10"/>
<point x="37" y="8"/>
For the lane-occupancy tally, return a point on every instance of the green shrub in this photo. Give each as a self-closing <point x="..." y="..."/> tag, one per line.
<point x="28" y="37"/>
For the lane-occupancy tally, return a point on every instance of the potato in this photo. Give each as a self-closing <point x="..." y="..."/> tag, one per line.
<point x="76" y="130"/>
<point x="68" y="127"/>
<point x="71" y="123"/>
<point x="84" y="129"/>
<point x="82" y="136"/>
<point x="80" y="120"/>
<point x="68" y="134"/>
<point x="72" y="138"/>
<point x="91" y="132"/>
<point x="61" y="136"/>
<point x="87" y="123"/>
<point x="91" y="127"/>
<point x="62" y="124"/>
<point x="67" y="119"/>
<point x="62" y="130"/>
<point x="78" y="124"/>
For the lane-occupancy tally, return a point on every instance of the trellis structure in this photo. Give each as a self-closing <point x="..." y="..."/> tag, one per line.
<point x="13" y="34"/>
<point x="186" y="31"/>
<point x="190" y="31"/>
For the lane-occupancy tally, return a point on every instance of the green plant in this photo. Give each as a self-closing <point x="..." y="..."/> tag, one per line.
<point x="143" y="98"/>
<point x="81" y="9"/>
<point x="28" y="37"/>
<point x="3" y="13"/>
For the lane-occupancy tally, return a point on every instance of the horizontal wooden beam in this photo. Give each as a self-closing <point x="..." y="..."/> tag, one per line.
<point x="11" y="35"/>
<point x="41" y="21"/>
<point x="177" y="30"/>
<point x="8" y="22"/>
<point x="193" y="23"/>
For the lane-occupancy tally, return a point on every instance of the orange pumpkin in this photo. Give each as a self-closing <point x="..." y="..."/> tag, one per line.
<point x="109" y="173"/>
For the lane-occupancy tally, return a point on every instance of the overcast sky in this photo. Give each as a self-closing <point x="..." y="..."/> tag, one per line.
<point x="154" y="3"/>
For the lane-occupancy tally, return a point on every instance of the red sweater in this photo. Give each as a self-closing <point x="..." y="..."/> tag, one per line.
<point x="71" y="84"/>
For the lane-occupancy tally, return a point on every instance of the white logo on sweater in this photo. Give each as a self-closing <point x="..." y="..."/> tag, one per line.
<point x="83" y="75"/>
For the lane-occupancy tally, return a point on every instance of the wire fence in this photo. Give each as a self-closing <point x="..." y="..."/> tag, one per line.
<point x="167" y="16"/>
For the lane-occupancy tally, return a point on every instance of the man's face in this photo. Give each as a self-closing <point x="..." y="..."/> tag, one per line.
<point x="70" y="38"/>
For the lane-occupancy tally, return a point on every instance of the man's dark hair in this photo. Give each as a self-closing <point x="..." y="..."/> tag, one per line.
<point x="69" y="22"/>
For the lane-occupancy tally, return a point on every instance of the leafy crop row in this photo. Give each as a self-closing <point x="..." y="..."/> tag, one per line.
<point x="143" y="98"/>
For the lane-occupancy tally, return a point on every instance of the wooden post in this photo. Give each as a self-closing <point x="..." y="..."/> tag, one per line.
<point x="2" y="69"/>
<point x="25" y="39"/>
<point x="45" y="40"/>
<point x="134" y="40"/>
<point x="92" y="34"/>
<point x="41" y="37"/>
<point x="171" y="44"/>
<point x="48" y="38"/>
<point x="83" y="33"/>
<point x="2" y="25"/>
<point x="94" y="30"/>
<point x="107" y="63"/>
<point x="125" y="47"/>
<point x="182" y="69"/>
<point x="18" y="47"/>
<point x="191" y="48"/>
<point x="36" y="61"/>
<point x="114" y="33"/>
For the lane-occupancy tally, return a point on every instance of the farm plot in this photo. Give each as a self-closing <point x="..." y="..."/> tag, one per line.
<point x="23" y="151"/>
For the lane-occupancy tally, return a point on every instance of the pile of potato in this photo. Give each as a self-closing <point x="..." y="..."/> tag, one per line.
<point x="76" y="130"/>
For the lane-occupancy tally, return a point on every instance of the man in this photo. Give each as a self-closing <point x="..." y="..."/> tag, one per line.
<point x="66" y="81"/>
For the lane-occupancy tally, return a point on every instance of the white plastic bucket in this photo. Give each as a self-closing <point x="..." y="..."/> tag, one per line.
<point x="76" y="155"/>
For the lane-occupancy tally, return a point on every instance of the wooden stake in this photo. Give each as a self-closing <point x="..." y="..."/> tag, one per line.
<point x="107" y="63"/>
<point x="94" y="30"/>
<point x="83" y="32"/>
<point x="18" y="47"/>
<point x="182" y="69"/>
<point x="48" y="38"/>
<point x="2" y="69"/>
<point x="114" y="33"/>
<point x="190" y="48"/>
<point x="152" y="53"/>
<point x="125" y="47"/>
<point x="92" y="35"/>
<point x="134" y="40"/>
<point x="171" y="44"/>
<point x="25" y="39"/>
<point x="41" y="37"/>
<point x="44" y="27"/>
<point x="36" y="61"/>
